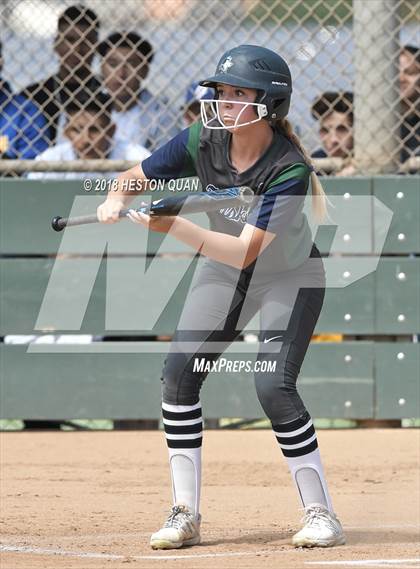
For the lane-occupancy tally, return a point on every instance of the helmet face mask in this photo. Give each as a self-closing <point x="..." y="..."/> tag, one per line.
<point x="259" y="68"/>
<point x="212" y="118"/>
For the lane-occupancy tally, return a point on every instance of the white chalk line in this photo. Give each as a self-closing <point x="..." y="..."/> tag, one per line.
<point x="399" y="563"/>
<point x="93" y="555"/>
<point x="42" y="551"/>
<point x="402" y="564"/>
<point x="371" y="563"/>
<point x="157" y="557"/>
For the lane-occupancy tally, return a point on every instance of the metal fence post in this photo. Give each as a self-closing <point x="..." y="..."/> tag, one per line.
<point x="376" y="88"/>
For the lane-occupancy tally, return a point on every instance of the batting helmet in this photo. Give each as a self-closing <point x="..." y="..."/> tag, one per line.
<point x="256" y="67"/>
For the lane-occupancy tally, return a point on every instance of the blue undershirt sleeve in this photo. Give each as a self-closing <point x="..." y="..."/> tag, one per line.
<point x="172" y="160"/>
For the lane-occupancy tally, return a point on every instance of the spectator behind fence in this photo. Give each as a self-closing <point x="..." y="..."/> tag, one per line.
<point x="191" y="108"/>
<point x="90" y="134"/>
<point x="334" y="112"/>
<point x="410" y="101"/>
<point x="24" y="131"/>
<point x="75" y="45"/>
<point x="140" y="116"/>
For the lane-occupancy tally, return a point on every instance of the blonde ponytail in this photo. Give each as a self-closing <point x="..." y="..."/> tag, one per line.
<point x="319" y="198"/>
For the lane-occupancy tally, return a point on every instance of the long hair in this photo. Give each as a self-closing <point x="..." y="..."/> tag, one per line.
<point x="319" y="198"/>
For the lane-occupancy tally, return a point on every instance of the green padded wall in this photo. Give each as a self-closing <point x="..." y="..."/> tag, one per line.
<point x="349" y="379"/>
<point x="336" y="381"/>
<point x="397" y="297"/>
<point x="352" y="236"/>
<point x="24" y="282"/>
<point x="397" y="380"/>
<point x="402" y="195"/>
<point x="384" y="302"/>
<point x="27" y="208"/>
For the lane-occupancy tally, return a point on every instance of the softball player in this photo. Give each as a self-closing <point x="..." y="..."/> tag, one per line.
<point x="262" y="259"/>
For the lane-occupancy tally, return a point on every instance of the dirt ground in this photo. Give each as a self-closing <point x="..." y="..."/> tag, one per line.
<point x="73" y="500"/>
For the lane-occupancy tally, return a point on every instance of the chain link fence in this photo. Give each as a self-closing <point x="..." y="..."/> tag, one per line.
<point x="109" y="80"/>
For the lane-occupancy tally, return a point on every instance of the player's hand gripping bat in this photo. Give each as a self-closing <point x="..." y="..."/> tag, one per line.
<point x="209" y="200"/>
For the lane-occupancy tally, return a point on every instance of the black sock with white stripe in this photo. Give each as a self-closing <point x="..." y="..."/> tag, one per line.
<point x="299" y="445"/>
<point x="183" y="426"/>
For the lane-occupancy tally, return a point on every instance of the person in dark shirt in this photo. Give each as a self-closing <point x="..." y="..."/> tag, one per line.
<point x="75" y="45"/>
<point x="258" y="258"/>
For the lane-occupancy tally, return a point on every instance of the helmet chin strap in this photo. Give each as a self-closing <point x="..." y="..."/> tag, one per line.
<point x="219" y="124"/>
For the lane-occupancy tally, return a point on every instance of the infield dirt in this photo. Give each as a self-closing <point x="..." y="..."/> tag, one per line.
<point x="92" y="499"/>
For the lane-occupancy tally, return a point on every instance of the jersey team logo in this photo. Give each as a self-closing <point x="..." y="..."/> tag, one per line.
<point x="226" y="65"/>
<point x="238" y="214"/>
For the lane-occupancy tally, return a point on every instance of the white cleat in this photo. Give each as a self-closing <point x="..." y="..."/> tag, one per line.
<point x="321" y="529"/>
<point x="181" y="529"/>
